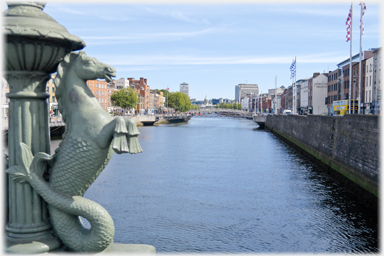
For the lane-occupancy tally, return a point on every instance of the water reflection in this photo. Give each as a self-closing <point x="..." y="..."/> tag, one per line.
<point x="219" y="185"/>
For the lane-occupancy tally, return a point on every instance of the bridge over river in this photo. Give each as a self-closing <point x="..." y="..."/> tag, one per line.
<point x="57" y="125"/>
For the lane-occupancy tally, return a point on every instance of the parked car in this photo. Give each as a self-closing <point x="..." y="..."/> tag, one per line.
<point x="287" y="112"/>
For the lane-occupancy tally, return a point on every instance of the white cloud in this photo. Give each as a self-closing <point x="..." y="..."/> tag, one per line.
<point x="93" y="10"/>
<point x="165" y="60"/>
<point x="178" y="15"/>
<point x="144" y="37"/>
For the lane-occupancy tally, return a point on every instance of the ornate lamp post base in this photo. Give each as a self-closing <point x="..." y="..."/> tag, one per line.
<point x="35" y="243"/>
<point x="35" y="44"/>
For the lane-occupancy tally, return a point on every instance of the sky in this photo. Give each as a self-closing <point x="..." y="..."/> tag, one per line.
<point x="213" y="46"/>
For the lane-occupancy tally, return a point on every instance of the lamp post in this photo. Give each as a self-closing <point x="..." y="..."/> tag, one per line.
<point x="353" y="97"/>
<point x="35" y="44"/>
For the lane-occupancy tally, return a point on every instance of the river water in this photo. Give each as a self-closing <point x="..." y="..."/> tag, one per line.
<point x="218" y="185"/>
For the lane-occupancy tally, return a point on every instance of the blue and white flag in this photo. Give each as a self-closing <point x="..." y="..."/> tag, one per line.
<point x="292" y="68"/>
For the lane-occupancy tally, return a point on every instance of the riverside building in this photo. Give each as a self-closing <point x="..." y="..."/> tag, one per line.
<point x="184" y="88"/>
<point x="242" y="90"/>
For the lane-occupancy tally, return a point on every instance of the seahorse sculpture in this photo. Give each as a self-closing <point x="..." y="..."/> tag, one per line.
<point x="90" y="138"/>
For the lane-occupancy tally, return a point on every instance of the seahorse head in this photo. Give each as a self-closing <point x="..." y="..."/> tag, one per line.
<point x="78" y="64"/>
<point x="75" y="67"/>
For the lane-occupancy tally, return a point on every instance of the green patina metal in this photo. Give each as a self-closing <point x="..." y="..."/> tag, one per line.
<point x="90" y="138"/>
<point x="36" y="46"/>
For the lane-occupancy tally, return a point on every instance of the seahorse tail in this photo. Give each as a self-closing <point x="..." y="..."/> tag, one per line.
<point x="64" y="212"/>
<point x="66" y="225"/>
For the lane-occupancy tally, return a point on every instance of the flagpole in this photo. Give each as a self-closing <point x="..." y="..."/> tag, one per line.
<point x="350" y="64"/>
<point x="294" y="91"/>
<point x="359" y="99"/>
<point x="361" y="43"/>
<point x="276" y="95"/>
<point x="293" y="95"/>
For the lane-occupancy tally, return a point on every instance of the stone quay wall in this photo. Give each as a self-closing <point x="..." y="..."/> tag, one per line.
<point x="348" y="145"/>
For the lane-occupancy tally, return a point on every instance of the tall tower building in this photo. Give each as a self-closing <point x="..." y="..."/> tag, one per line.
<point x="242" y="90"/>
<point x="184" y="87"/>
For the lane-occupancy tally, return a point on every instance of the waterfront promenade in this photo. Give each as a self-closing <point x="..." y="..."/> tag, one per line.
<point x="140" y="119"/>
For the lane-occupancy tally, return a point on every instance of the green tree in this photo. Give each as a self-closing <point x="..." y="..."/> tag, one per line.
<point x="195" y="107"/>
<point x="125" y="98"/>
<point x="179" y="101"/>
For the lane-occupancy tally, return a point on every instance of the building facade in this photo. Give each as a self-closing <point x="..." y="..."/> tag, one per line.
<point x="333" y="89"/>
<point x="304" y="98"/>
<point x="143" y="89"/>
<point x="369" y="81"/>
<point x="121" y="83"/>
<point x="242" y="90"/>
<point x="317" y="94"/>
<point x="102" y="92"/>
<point x="184" y="88"/>
<point x="52" y="100"/>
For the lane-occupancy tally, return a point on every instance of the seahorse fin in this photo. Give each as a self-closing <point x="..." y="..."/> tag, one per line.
<point x="27" y="163"/>
<point x="119" y="143"/>
<point x="39" y="163"/>
<point x="132" y="127"/>
<point x="134" y="145"/>
<point x="20" y="172"/>
<point x="133" y="141"/>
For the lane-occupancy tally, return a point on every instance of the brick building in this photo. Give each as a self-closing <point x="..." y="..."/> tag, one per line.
<point x="334" y="91"/>
<point x="143" y="90"/>
<point x="102" y="92"/>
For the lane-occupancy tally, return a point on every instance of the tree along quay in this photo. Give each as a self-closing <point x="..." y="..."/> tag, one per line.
<point x="347" y="147"/>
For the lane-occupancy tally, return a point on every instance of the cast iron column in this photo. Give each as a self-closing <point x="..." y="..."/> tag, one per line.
<point x="35" y="44"/>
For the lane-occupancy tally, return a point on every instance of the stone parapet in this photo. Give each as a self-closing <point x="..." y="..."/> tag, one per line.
<point x="349" y="145"/>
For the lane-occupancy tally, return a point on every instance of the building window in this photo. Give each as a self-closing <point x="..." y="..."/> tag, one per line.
<point x="53" y="89"/>
<point x="53" y="98"/>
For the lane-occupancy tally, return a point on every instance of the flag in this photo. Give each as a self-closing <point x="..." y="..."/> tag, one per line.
<point x="167" y="89"/>
<point x="348" y="23"/>
<point x="292" y="68"/>
<point x="363" y="8"/>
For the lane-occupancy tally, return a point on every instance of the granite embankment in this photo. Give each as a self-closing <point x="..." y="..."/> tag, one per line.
<point x="348" y="145"/>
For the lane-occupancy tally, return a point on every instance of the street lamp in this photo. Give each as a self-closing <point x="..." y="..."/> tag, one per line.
<point x="354" y="84"/>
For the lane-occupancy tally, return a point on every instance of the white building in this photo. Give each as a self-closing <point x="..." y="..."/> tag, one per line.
<point x="245" y="103"/>
<point x="242" y="90"/>
<point x="304" y="97"/>
<point x="318" y="87"/>
<point x="184" y="88"/>
<point x="121" y="83"/>
<point x="279" y="90"/>
<point x="278" y="102"/>
<point x="368" y="81"/>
